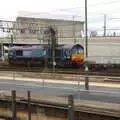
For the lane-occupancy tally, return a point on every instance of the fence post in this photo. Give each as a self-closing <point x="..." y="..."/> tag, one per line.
<point x="71" y="114"/>
<point x="86" y="83"/>
<point x="86" y="78"/>
<point x="29" y="105"/>
<point x="14" y="105"/>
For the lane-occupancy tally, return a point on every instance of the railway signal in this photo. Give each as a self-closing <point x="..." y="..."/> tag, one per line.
<point x="53" y="45"/>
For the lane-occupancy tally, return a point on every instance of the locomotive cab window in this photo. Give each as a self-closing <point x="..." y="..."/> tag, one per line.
<point x="77" y="51"/>
<point x="19" y="53"/>
<point x="74" y="51"/>
<point x="80" y="51"/>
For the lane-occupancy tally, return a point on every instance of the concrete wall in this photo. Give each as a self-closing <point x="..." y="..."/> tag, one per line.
<point x="65" y="28"/>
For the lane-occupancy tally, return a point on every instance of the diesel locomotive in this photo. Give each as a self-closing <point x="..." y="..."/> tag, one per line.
<point x="65" y="55"/>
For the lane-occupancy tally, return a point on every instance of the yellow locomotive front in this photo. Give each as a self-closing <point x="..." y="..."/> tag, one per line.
<point x="77" y="56"/>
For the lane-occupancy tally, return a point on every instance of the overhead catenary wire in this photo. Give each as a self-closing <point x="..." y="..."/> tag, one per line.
<point x="89" y="5"/>
<point x="37" y="26"/>
<point x="33" y="24"/>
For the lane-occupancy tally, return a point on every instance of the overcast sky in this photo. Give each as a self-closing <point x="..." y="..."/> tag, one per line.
<point x="96" y="9"/>
<point x="9" y="8"/>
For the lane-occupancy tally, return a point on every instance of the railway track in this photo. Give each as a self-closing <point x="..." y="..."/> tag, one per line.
<point x="77" y="71"/>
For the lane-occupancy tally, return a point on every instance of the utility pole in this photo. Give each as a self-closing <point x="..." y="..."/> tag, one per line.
<point x="86" y="30"/>
<point x="74" y="30"/>
<point x="105" y="25"/>
<point x="86" y="46"/>
<point x="86" y="36"/>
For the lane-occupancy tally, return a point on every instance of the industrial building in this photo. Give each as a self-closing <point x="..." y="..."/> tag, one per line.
<point x="67" y="30"/>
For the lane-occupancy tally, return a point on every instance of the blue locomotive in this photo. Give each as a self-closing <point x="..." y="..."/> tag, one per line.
<point x="65" y="55"/>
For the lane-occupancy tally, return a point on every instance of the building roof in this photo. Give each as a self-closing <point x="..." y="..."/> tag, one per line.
<point x="37" y="15"/>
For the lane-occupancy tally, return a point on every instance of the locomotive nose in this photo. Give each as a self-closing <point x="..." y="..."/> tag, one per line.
<point x="77" y="58"/>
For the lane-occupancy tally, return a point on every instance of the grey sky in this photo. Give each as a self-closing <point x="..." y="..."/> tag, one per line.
<point x="96" y="9"/>
<point x="11" y="7"/>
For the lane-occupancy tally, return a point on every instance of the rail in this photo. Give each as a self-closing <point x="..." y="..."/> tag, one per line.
<point x="58" y="76"/>
<point x="114" y="72"/>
